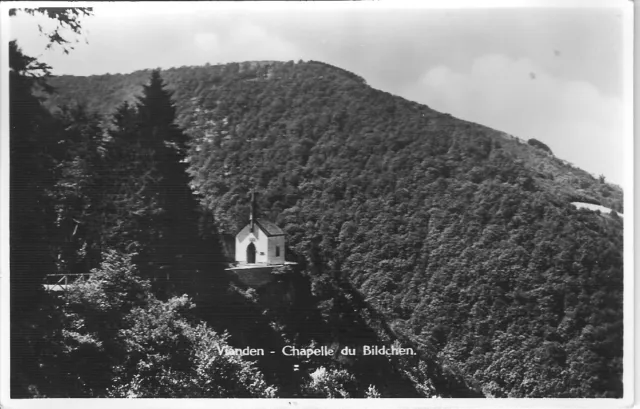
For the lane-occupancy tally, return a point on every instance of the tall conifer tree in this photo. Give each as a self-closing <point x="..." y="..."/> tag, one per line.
<point x="147" y="138"/>
<point x="131" y="177"/>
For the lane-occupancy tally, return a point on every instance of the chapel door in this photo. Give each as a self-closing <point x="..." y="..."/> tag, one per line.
<point x="251" y="253"/>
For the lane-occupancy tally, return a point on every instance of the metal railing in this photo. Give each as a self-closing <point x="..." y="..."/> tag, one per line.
<point x="60" y="282"/>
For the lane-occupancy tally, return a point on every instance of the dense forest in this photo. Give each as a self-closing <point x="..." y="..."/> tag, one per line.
<point x="410" y="228"/>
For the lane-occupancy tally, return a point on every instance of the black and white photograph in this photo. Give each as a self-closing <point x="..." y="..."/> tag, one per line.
<point x="297" y="202"/>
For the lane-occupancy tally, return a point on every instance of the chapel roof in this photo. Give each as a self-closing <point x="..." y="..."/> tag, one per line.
<point x="269" y="228"/>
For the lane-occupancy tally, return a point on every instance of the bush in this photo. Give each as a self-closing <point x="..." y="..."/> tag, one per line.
<point x="120" y="340"/>
<point x="329" y="383"/>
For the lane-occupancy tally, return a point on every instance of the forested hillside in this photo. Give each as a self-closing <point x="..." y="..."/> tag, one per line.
<point x="443" y="235"/>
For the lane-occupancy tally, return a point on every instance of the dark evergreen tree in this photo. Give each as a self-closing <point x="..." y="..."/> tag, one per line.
<point x="157" y="130"/>
<point x="157" y="115"/>
<point x="153" y="208"/>
<point x="130" y="174"/>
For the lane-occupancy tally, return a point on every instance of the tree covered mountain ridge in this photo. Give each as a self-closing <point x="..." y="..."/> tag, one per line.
<point x="192" y="86"/>
<point x="462" y="237"/>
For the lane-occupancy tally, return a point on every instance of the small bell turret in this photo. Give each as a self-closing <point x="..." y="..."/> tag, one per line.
<point x="252" y="216"/>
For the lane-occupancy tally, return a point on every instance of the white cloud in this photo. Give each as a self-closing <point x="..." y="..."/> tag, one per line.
<point x="250" y="41"/>
<point x="517" y="96"/>
<point x="207" y="42"/>
<point x="245" y="41"/>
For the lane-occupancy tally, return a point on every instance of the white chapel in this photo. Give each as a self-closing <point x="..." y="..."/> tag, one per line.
<point x="259" y="243"/>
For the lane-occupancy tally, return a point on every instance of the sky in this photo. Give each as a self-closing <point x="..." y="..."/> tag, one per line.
<point x="539" y="71"/>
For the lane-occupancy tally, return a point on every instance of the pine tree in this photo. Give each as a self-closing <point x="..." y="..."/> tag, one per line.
<point x="156" y="212"/>
<point x="130" y="179"/>
<point x="157" y="114"/>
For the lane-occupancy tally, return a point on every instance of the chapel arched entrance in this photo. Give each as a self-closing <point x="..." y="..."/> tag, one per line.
<point x="251" y="253"/>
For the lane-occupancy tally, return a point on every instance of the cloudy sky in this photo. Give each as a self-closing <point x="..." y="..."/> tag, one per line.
<point x="550" y="73"/>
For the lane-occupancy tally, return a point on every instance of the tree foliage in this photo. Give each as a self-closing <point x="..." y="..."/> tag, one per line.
<point x="538" y="144"/>
<point x="462" y="237"/>
<point x="68" y="21"/>
<point x="119" y="340"/>
<point x="325" y="383"/>
<point x="82" y="189"/>
<point x="31" y="209"/>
